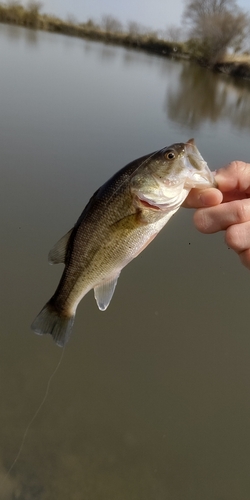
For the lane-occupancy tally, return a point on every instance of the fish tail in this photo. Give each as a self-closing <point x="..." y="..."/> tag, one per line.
<point x="52" y="321"/>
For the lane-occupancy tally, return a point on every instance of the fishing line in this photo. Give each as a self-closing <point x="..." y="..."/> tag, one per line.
<point x="35" y="415"/>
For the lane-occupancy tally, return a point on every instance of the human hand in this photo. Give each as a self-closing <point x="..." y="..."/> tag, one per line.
<point x="226" y="208"/>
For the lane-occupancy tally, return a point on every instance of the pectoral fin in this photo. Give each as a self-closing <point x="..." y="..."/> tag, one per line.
<point x="104" y="293"/>
<point x="57" y="254"/>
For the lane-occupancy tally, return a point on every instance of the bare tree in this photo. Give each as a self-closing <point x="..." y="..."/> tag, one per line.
<point x="134" y="28"/>
<point x="215" y="25"/>
<point x="34" y="6"/>
<point x="14" y="12"/>
<point x="111" y="24"/>
<point x="174" y="33"/>
<point x="90" y="24"/>
<point x="32" y="13"/>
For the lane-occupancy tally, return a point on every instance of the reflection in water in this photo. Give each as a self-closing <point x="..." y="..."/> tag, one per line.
<point x="9" y="487"/>
<point x="107" y="52"/>
<point x="201" y="95"/>
<point x="130" y="57"/>
<point x="12" y="32"/>
<point x="103" y="52"/>
<point x="15" y="33"/>
<point x="31" y="36"/>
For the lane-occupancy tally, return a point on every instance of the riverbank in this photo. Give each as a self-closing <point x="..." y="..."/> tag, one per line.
<point x="30" y="17"/>
<point x="235" y="65"/>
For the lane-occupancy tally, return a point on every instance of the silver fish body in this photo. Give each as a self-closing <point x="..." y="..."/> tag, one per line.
<point x="119" y="221"/>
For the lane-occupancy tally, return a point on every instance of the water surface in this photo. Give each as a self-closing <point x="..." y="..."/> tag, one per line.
<point x="151" y="401"/>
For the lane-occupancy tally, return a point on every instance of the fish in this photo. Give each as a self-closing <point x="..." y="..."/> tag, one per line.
<point x="120" y="220"/>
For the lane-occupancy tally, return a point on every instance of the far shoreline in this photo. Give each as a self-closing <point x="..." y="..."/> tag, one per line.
<point x="237" y="66"/>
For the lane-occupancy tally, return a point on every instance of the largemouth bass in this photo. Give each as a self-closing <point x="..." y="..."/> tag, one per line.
<point x="119" y="221"/>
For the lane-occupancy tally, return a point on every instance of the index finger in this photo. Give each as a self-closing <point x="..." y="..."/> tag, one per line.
<point x="234" y="179"/>
<point x="199" y="198"/>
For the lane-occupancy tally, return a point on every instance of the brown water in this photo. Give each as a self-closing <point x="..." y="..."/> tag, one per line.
<point x="152" y="398"/>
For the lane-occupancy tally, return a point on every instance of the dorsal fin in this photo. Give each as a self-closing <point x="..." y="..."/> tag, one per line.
<point x="104" y="293"/>
<point x="57" y="254"/>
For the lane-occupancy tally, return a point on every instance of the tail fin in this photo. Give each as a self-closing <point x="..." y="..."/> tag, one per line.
<point x="49" y="320"/>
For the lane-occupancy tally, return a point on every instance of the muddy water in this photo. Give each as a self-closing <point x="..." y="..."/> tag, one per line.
<point x="151" y="400"/>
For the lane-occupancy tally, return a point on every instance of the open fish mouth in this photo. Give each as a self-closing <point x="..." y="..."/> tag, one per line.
<point x="200" y="175"/>
<point x="204" y="179"/>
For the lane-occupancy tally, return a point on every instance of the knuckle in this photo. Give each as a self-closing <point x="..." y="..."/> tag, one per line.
<point x="242" y="211"/>
<point x="240" y="167"/>
<point x="201" y="221"/>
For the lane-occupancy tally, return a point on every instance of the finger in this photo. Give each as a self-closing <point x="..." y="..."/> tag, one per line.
<point x="237" y="237"/>
<point x="245" y="258"/>
<point x="234" y="195"/>
<point x="235" y="176"/>
<point x="198" y="198"/>
<point x="220" y="217"/>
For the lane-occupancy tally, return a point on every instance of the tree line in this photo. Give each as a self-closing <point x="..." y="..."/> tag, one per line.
<point x="209" y="28"/>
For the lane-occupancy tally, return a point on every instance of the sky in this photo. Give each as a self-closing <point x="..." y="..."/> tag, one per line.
<point x="155" y="14"/>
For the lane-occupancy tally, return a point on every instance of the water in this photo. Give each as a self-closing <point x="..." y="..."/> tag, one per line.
<point x="151" y="401"/>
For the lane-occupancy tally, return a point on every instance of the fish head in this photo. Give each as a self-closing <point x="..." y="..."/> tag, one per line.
<point x="168" y="175"/>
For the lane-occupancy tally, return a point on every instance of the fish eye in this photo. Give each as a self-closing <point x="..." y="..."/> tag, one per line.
<point x="170" y="155"/>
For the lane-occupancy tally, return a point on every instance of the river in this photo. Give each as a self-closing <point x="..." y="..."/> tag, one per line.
<point x="151" y="400"/>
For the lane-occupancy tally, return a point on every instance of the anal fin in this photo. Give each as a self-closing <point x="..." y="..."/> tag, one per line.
<point x="104" y="293"/>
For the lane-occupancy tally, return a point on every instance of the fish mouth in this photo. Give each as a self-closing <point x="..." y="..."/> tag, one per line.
<point x="200" y="175"/>
<point x="200" y="180"/>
